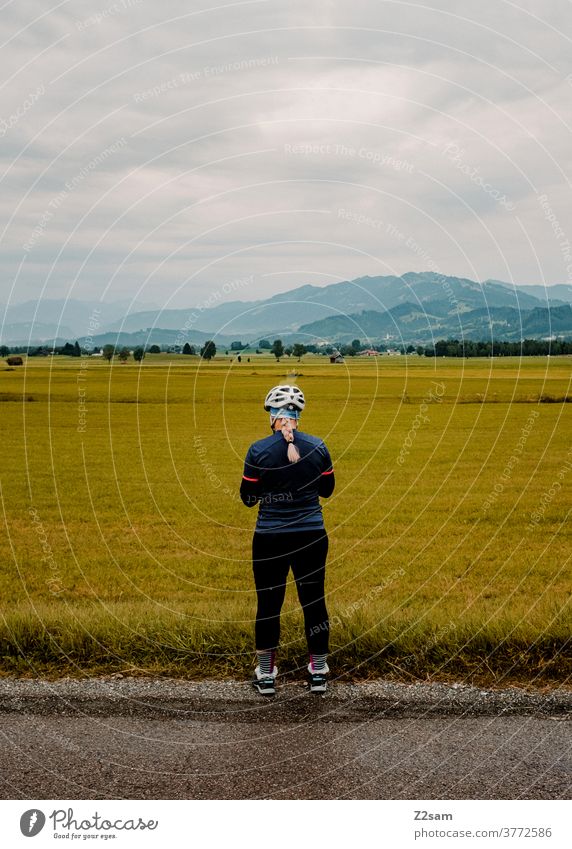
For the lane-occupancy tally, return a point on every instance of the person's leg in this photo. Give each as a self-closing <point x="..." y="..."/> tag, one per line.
<point x="270" y="567"/>
<point x="309" y="567"/>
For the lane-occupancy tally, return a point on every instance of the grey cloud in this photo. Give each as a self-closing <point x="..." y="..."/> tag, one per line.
<point x="204" y="108"/>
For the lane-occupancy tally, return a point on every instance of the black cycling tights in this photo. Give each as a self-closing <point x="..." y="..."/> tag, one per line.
<point x="272" y="556"/>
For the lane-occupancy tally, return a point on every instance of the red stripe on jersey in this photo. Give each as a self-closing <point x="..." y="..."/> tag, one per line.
<point x="331" y="472"/>
<point x="254" y="480"/>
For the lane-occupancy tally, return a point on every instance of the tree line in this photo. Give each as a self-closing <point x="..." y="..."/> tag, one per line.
<point x="441" y="348"/>
<point x="495" y="348"/>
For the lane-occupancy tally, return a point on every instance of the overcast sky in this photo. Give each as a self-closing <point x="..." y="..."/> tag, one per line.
<point x="165" y="150"/>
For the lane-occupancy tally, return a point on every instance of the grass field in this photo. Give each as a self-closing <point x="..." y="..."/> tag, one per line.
<point x="127" y="547"/>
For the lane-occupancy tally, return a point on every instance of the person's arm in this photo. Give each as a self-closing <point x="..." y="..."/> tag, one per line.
<point x="327" y="481"/>
<point x="250" y="490"/>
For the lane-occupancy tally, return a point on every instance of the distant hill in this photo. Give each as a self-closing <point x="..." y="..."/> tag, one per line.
<point x="411" y="324"/>
<point x="27" y="332"/>
<point x="559" y="293"/>
<point x="46" y="318"/>
<point x="155" y="336"/>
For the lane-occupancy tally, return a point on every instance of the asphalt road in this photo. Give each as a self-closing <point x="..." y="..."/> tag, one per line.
<point x="133" y="739"/>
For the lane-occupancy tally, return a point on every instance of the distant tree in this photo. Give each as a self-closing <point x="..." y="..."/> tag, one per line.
<point x="277" y="349"/>
<point x="76" y="350"/>
<point x="420" y="350"/>
<point x="264" y="343"/>
<point x="208" y="350"/>
<point x="154" y="349"/>
<point x="288" y="351"/>
<point x="356" y="344"/>
<point x="4" y="350"/>
<point x="239" y="358"/>
<point x="299" y="350"/>
<point x="187" y="349"/>
<point x="139" y="354"/>
<point x="124" y="355"/>
<point x="108" y="352"/>
<point x="236" y="346"/>
<point x="68" y="350"/>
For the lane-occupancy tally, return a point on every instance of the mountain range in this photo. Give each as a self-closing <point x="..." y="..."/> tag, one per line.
<point x="411" y="324"/>
<point x="414" y="308"/>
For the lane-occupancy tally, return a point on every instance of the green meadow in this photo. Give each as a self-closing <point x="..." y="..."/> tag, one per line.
<point x="126" y="547"/>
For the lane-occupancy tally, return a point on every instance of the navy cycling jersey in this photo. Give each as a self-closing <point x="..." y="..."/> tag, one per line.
<point x="288" y="494"/>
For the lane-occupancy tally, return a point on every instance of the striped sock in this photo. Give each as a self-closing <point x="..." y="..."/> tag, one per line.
<point x="318" y="662"/>
<point x="266" y="661"/>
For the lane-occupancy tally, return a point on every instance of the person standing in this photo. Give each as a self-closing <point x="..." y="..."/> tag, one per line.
<point x="286" y="474"/>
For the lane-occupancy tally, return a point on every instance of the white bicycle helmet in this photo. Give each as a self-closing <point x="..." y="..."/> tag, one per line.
<point x="290" y="397"/>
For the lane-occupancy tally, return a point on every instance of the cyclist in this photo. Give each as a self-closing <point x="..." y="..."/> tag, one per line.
<point x="286" y="473"/>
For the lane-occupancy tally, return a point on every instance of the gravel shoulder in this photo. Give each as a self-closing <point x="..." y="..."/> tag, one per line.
<point x="170" y="698"/>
